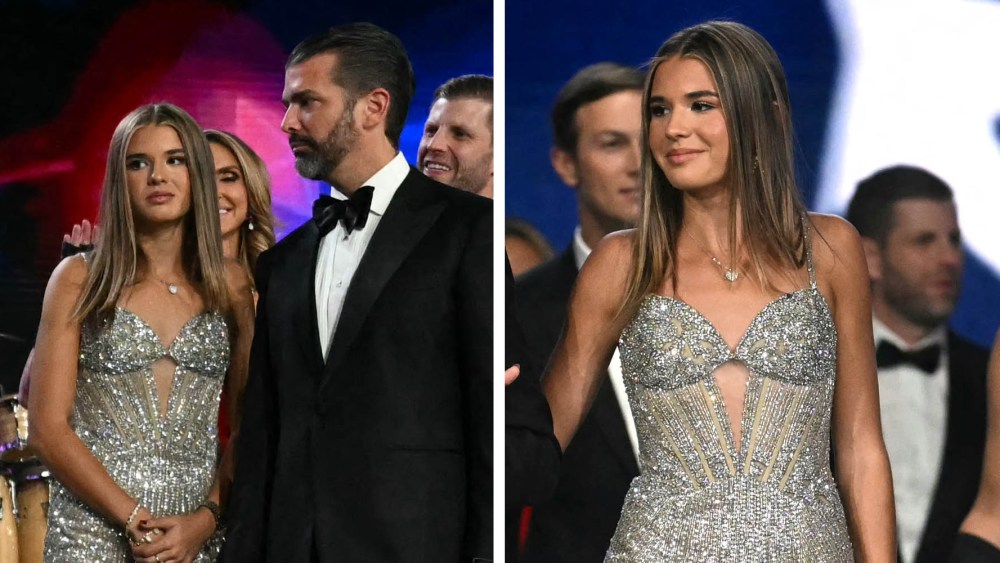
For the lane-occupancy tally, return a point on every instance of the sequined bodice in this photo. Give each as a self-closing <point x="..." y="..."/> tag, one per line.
<point x="165" y="459"/>
<point x="698" y="498"/>
<point x="669" y="355"/>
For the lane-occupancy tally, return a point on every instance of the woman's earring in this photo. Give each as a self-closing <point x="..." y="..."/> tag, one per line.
<point x="250" y="224"/>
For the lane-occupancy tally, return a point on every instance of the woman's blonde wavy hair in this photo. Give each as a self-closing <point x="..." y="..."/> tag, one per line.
<point x="765" y="205"/>
<point x="258" y="183"/>
<point x="115" y="259"/>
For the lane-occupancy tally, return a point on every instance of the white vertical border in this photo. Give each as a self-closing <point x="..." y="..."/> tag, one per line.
<point x="499" y="324"/>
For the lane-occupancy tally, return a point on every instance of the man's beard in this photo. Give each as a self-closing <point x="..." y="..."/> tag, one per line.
<point x="475" y="178"/>
<point x="912" y="304"/>
<point x="326" y="156"/>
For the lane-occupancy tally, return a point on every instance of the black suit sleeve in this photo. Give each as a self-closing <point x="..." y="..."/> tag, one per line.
<point x="475" y="337"/>
<point x="531" y="450"/>
<point x="255" y="445"/>
<point x="973" y="549"/>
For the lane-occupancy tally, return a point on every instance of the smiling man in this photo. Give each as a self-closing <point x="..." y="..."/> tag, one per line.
<point x="457" y="145"/>
<point x="367" y="423"/>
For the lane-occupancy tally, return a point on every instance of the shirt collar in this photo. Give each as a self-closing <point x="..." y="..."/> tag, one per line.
<point x="580" y="249"/>
<point x="882" y="332"/>
<point x="386" y="181"/>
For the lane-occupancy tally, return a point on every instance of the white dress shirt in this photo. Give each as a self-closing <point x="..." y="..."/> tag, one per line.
<point x="581" y="251"/>
<point x="914" y="409"/>
<point x="340" y="252"/>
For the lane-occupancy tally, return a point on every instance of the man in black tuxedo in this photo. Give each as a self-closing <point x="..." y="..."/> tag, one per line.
<point x="932" y="386"/>
<point x="367" y="420"/>
<point x="596" y="123"/>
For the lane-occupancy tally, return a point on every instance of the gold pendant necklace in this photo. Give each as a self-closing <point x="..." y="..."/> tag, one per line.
<point x="730" y="274"/>
<point x="171" y="287"/>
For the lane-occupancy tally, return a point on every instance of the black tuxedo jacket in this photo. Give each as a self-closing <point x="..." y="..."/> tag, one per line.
<point x="965" y="440"/>
<point x="576" y="525"/>
<point x="384" y="451"/>
<point x="531" y="450"/>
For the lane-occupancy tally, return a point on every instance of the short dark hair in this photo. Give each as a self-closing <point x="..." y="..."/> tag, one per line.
<point x="870" y="209"/>
<point x="477" y="86"/>
<point x="468" y="86"/>
<point x="368" y="57"/>
<point x="525" y="231"/>
<point x="588" y="85"/>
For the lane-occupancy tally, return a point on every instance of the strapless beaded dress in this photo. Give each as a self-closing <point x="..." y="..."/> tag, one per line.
<point x="699" y="499"/>
<point x="167" y="462"/>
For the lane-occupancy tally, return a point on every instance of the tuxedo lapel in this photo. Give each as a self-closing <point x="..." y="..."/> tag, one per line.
<point x="301" y="292"/>
<point x="961" y="463"/>
<point x="409" y="216"/>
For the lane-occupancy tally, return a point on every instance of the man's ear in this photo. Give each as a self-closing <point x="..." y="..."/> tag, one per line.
<point x="873" y="257"/>
<point x="565" y="166"/>
<point x="374" y="108"/>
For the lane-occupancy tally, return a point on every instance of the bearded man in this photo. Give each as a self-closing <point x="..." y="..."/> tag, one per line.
<point x="368" y="412"/>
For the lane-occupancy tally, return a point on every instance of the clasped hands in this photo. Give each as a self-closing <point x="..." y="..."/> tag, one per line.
<point x="171" y="539"/>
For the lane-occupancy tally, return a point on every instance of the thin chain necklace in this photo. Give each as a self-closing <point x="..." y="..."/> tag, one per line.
<point x="730" y="274"/>
<point x="171" y="287"/>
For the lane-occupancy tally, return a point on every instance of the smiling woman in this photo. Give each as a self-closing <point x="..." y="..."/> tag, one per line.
<point x="244" y="186"/>
<point x="741" y="343"/>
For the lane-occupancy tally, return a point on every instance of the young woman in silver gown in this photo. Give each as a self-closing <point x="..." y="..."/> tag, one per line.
<point x="744" y="327"/>
<point x="136" y="342"/>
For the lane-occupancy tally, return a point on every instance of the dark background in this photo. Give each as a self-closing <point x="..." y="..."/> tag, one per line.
<point x="71" y="69"/>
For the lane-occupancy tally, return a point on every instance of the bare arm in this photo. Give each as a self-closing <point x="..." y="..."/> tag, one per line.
<point x="862" y="464"/>
<point x="580" y="360"/>
<point x="53" y="385"/>
<point x="984" y="518"/>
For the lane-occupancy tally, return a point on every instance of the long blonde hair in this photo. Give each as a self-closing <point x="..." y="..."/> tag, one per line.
<point x="765" y="205"/>
<point x="258" y="183"/>
<point x="115" y="260"/>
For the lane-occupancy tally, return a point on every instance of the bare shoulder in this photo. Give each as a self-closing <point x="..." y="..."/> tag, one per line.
<point x="604" y="275"/>
<point x="611" y="259"/>
<point x="838" y="254"/>
<point x="834" y="239"/>
<point x="69" y="276"/>
<point x="64" y="288"/>
<point x="833" y="230"/>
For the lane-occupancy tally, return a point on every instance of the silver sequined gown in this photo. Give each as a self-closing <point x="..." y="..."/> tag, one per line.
<point x="168" y="463"/>
<point x="697" y="498"/>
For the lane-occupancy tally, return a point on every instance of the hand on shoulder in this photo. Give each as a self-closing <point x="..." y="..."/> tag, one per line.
<point x="68" y="278"/>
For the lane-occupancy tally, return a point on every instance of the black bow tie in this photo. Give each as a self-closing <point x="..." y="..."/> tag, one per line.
<point x="352" y="212"/>
<point x="925" y="359"/>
